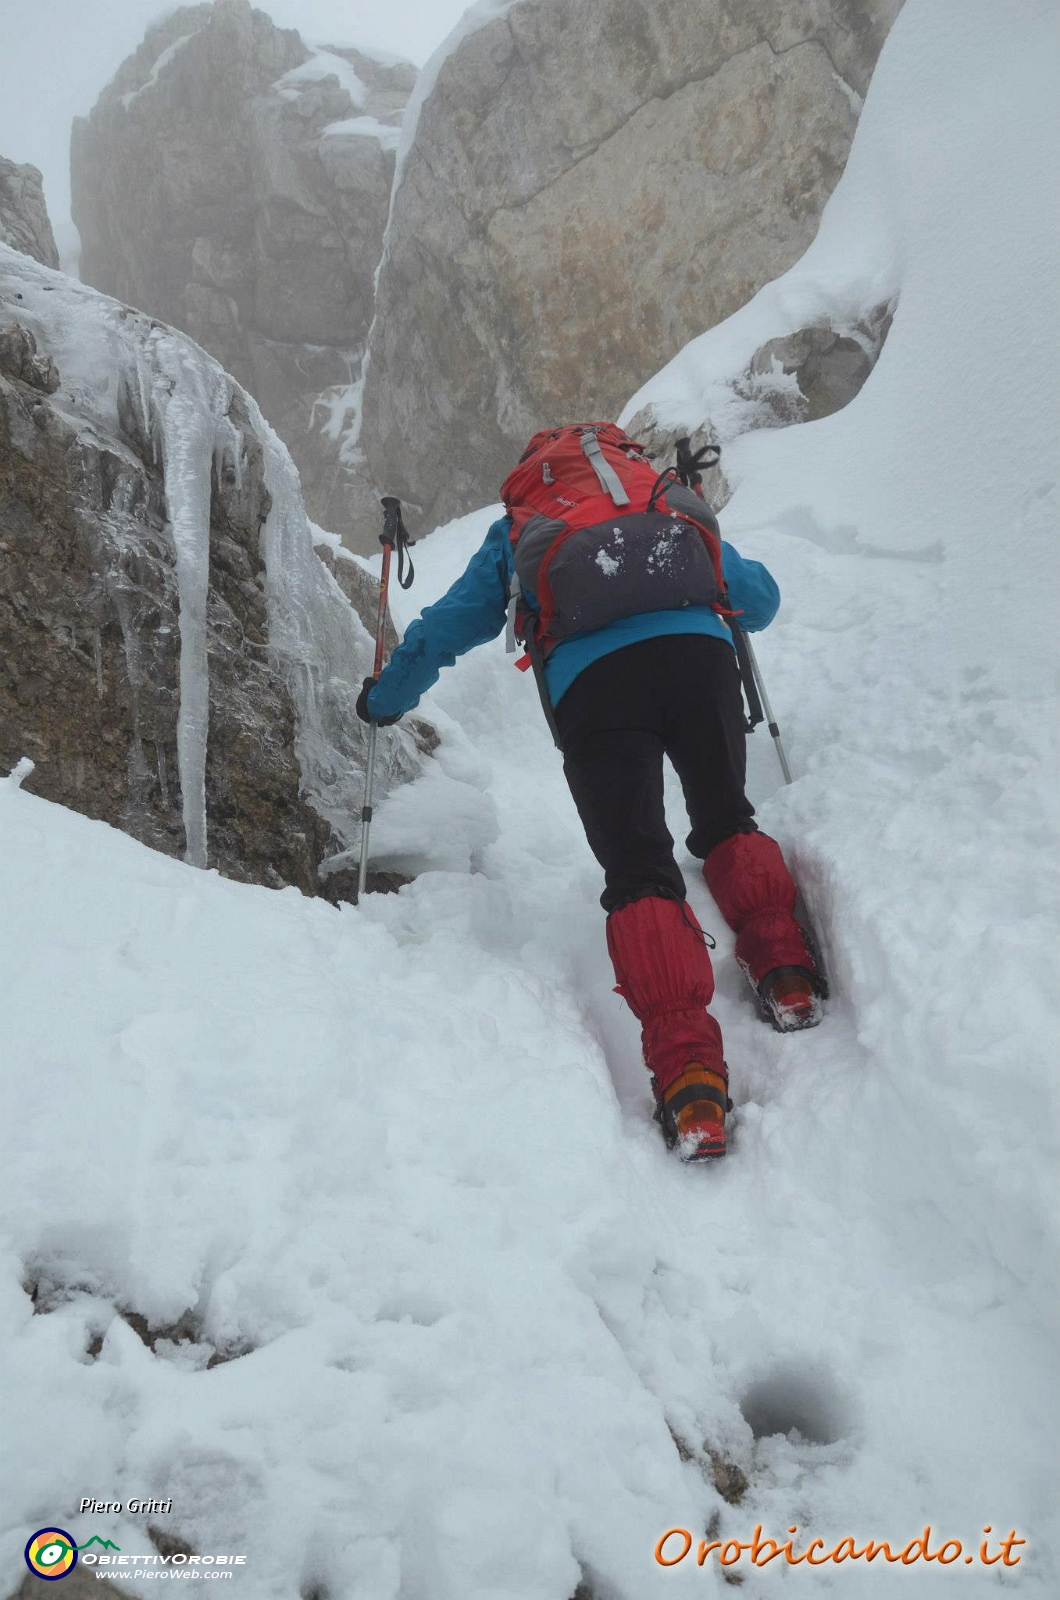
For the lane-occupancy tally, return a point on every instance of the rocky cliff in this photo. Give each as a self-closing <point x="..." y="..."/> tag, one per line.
<point x="174" y="657"/>
<point x="586" y="188"/>
<point x="235" y="183"/>
<point x="24" y="221"/>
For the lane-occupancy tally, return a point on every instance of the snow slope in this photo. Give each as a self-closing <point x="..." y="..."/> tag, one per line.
<point x="396" y="1161"/>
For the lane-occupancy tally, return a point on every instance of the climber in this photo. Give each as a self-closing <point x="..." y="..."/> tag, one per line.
<point x="621" y="588"/>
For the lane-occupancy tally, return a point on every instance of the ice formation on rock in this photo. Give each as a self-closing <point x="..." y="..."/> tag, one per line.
<point x="106" y="353"/>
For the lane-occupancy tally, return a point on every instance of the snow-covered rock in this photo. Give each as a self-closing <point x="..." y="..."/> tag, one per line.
<point x="582" y="189"/>
<point x="235" y="182"/>
<point x="794" y="377"/>
<point x="176" y="659"/>
<point x="24" y="221"/>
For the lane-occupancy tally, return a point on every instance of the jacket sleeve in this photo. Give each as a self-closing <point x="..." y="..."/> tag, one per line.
<point x="471" y="612"/>
<point x="752" y="590"/>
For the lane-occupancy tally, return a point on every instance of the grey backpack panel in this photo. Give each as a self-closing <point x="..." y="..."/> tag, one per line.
<point x="531" y="547"/>
<point x="643" y="561"/>
<point x="688" y="504"/>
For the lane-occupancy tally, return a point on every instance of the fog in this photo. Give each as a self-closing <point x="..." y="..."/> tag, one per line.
<point x="56" y="56"/>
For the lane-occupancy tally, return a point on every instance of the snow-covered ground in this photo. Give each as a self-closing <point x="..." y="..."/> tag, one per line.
<point x="397" y="1161"/>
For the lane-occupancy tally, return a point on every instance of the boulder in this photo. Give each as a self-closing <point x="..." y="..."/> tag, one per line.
<point x="154" y="553"/>
<point x="792" y="378"/>
<point x="24" y="222"/>
<point x="235" y="183"/>
<point x="829" y="366"/>
<point x="586" y="189"/>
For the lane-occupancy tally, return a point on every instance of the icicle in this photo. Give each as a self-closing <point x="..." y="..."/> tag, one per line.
<point x="144" y="389"/>
<point x="317" y="643"/>
<point x="190" y="396"/>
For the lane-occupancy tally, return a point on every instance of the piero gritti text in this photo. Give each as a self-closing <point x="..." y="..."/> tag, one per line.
<point x="117" y="1507"/>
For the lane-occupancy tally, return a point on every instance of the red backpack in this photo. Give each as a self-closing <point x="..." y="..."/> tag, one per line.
<point x="598" y="534"/>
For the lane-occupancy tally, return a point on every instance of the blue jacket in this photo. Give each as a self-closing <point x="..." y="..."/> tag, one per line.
<point x="475" y="610"/>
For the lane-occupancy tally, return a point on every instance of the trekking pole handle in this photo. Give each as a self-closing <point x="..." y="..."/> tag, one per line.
<point x="687" y="468"/>
<point x="395" y="537"/>
<point x="391" y="520"/>
<point x="688" y="464"/>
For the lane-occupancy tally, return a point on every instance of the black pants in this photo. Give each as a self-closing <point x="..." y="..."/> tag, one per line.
<point x="677" y="695"/>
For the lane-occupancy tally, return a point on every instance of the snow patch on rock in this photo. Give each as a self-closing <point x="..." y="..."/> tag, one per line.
<point x="323" y="64"/>
<point x="168" y="54"/>
<point x="364" y="128"/>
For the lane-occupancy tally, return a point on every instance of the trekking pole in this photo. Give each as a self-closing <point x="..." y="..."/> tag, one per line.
<point x="756" y="673"/>
<point x="758" y="707"/>
<point x="392" y="537"/>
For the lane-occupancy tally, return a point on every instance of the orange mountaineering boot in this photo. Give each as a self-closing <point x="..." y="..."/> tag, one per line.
<point x="663" y="973"/>
<point x="691" y="1112"/>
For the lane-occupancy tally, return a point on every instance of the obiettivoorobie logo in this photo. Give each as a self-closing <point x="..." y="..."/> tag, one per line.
<point x="51" y="1553"/>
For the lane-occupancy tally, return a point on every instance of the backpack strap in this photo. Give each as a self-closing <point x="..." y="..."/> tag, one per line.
<point x="522" y="624"/>
<point x="609" y="479"/>
<point x="533" y="650"/>
<point x="513" y="609"/>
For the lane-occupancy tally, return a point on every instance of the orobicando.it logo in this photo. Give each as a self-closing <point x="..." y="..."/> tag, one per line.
<point x="51" y="1553"/>
<point x="676" y="1543"/>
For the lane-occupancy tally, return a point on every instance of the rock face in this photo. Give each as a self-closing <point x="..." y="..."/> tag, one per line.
<point x="103" y="572"/>
<point x="235" y="184"/>
<point x="89" y="639"/>
<point x="24" y="223"/>
<point x="588" y="188"/>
